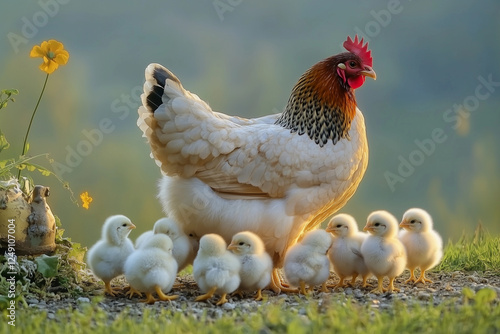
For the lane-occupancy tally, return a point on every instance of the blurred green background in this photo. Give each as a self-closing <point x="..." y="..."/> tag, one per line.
<point x="243" y="57"/>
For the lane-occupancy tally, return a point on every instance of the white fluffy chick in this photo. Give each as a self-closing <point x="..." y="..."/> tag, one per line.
<point x="185" y="246"/>
<point x="256" y="264"/>
<point x="107" y="257"/>
<point x="424" y="246"/>
<point x="307" y="261"/>
<point x="384" y="254"/>
<point x="345" y="253"/>
<point x="215" y="269"/>
<point x="152" y="268"/>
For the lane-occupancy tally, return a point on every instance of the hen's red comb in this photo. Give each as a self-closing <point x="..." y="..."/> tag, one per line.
<point x="359" y="49"/>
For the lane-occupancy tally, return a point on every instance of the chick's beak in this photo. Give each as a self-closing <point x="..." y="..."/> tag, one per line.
<point x="369" y="72"/>
<point x="367" y="228"/>
<point x="131" y="227"/>
<point x="403" y="224"/>
<point x="232" y="246"/>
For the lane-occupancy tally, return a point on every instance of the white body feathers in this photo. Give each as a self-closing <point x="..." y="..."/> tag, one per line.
<point x="152" y="265"/>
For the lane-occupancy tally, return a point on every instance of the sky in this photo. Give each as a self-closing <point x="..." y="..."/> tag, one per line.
<point x="432" y="115"/>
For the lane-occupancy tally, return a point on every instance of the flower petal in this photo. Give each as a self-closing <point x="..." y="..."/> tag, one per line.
<point x="37" y="52"/>
<point x="61" y="58"/>
<point x="49" y="67"/>
<point x="55" y="46"/>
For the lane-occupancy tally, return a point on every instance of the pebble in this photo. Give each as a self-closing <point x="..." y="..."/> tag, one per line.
<point x="83" y="300"/>
<point x="228" y="306"/>
<point x="32" y="301"/>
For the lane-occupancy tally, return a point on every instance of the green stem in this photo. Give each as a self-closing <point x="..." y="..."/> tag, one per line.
<point x="31" y="121"/>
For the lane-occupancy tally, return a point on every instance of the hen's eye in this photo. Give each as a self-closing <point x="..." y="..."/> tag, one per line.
<point x="352" y="64"/>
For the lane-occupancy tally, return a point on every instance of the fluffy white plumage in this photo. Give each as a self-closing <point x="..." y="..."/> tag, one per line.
<point x="384" y="254"/>
<point x="107" y="257"/>
<point x="185" y="246"/>
<point x="424" y="246"/>
<point x="307" y="261"/>
<point x="215" y="269"/>
<point x="256" y="264"/>
<point x="227" y="174"/>
<point x="345" y="253"/>
<point x="152" y="268"/>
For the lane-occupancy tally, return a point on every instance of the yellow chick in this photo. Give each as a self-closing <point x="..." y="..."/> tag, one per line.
<point x="307" y="261"/>
<point x="107" y="257"/>
<point x="215" y="269"/>
<point x="256" y="264"/>
<point x="424" y="245"/>
<point x="345" y="253"/>
<point x="152" y="268"/>
<point x="384" y="254"/>
<point x="185" y="246"/>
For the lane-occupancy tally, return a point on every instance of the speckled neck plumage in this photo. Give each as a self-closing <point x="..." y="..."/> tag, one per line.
<point x="320" y="105"/>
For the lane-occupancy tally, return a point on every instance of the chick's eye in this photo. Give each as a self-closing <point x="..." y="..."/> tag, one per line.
<point x="413" y="221"/>
<point x="352" y="64"/>
<point x="339" y="226"/>
<point x="124" y="224"/>
<point x="241" y="243"/>
<point x="377" y="224"/>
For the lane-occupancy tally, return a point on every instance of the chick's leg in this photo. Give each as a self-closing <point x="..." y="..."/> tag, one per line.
<point x="222" y="299"/>
<point x="207" y="295"/>
<point x="379" y="288"/>
<point x="163" y="296"/>
<point x="340" y="284"/>
<point x="324" y="288"/>
<point x="365" y="283"/>
<point x="131" y="292"/>
<point x="391" y="286"/>
<point x="149" y="298"/>
<point x="412" y="276"/>
<point x="353" y="280"/>
<point x="258" y="296"/>
<point x="277" y="284"/>
<point x="109" y="290"/>
<point x="422" y="279"/>
<point x="303" y="289"/>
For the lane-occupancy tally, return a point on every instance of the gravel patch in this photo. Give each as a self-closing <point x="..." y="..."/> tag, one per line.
<point x="446" y="286"/>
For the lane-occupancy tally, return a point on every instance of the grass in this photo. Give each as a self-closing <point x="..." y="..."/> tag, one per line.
<point x="470" y="313"/>
<point x="480" y="314"/>
<point x="480" y="252"/>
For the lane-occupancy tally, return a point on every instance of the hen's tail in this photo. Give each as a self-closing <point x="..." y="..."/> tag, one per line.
<point x="157" y="77"/>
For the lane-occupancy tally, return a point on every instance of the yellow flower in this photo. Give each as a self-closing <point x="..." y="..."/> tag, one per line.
<point x="86" y="199"/>
<point x="53" y="55"/>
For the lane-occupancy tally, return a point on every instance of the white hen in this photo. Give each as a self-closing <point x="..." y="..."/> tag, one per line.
<point x="185" y="246"/>
<point x="278" y="176"/>
<point x="424" y="246"/>
<point x="345" y="254"/>
<point x="152" y="268"/>
<point x="107" y="257"/>
<point x="384" y="254"/>
<point x="307" y="261"/>
<point x="256" y="264"/>
<point x="215" y="269"/>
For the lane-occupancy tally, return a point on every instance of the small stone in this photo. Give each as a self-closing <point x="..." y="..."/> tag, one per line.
<point x="423" y="295"/>
<point x="228" y="306"/>
<point x="83" y="300"/>
<point x="32" y="301"/>
<point x="51" y="316"/>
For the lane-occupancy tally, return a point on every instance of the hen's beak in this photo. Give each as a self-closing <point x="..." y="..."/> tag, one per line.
<point x="369" y="72"/>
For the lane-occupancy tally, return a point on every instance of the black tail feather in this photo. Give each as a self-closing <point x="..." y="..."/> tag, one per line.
<point x="154" y="98"/>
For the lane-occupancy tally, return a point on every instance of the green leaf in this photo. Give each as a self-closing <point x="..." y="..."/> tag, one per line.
<point x="47" y="265"/>
<point x="4" y="144"/>
<point x="486" y="296"/>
